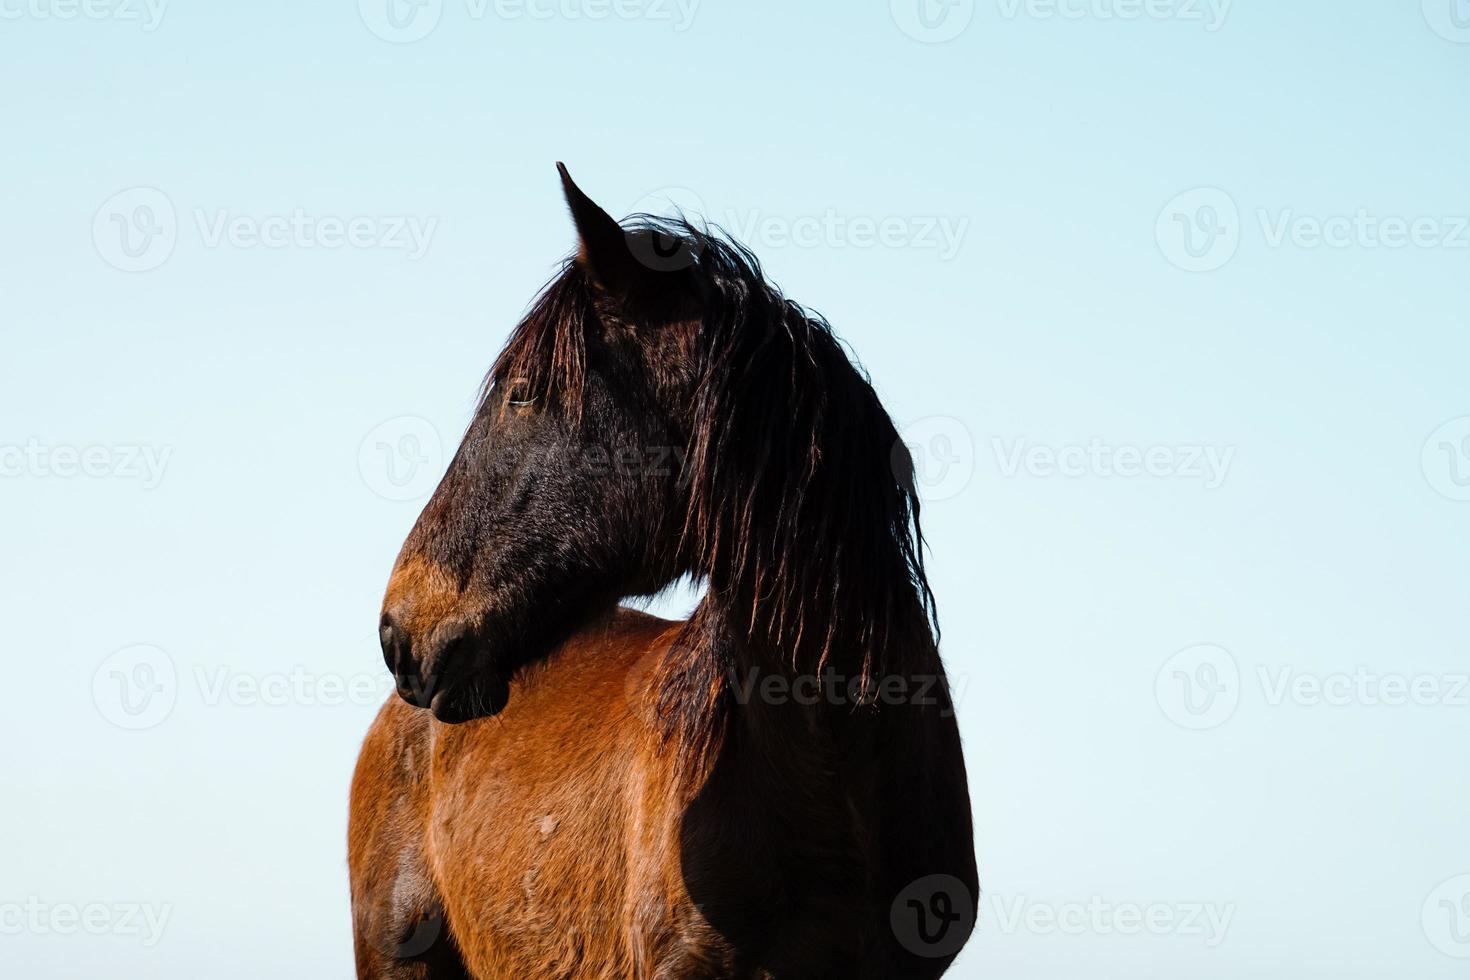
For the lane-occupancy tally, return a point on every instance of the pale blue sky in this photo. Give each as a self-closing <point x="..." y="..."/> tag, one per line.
<point x="1070" y="233"/>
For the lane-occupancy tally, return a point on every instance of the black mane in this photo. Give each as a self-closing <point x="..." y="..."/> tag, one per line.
<point x="802" y="513"/>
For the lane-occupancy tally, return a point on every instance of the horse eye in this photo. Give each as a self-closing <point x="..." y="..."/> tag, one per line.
<point x="518" y="392"/>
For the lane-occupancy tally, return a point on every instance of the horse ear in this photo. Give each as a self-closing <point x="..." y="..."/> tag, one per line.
<point x="603" y="248"/>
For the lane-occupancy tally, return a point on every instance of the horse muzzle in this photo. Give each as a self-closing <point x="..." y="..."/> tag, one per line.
<point x="447" y="670"/>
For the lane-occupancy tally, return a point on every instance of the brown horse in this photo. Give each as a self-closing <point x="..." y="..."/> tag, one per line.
<point x="566" y="788"/>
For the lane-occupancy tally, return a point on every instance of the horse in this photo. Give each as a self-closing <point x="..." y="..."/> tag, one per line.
<point x="564" y="787"/>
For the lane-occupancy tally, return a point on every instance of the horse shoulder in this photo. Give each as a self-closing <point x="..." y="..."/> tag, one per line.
<point x="553" y="826"/>
<point x="399" y="927"/>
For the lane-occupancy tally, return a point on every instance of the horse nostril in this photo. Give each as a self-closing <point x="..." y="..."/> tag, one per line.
<point x="421" y="669"/>
<point x="446" y="644"/>
<point x="398" y="655"/>
<point x="395" y="642"/>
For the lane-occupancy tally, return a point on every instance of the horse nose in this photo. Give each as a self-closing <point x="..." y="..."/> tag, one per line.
<point x="398" y="655"/>
<point x="420" y="667"/>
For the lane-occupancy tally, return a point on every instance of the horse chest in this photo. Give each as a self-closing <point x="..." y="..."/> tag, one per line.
<point x="576" y="877"/>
